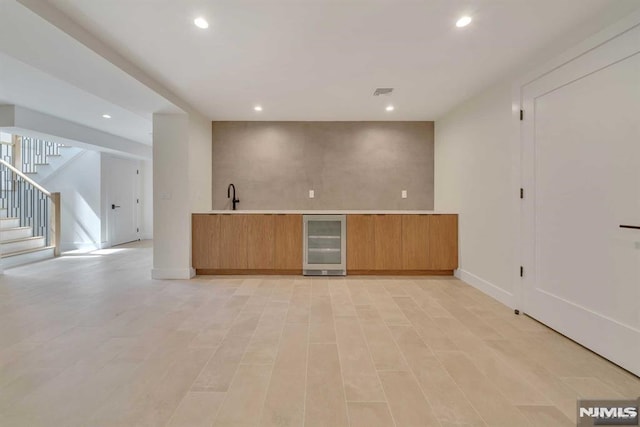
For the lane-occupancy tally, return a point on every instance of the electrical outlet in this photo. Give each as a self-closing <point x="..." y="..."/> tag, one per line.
<point x="312" y="194"/>
<point x="404" y="194"/>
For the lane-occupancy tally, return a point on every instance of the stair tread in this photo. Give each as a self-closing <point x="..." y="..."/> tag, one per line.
<point x="26" y="251"/>
<point x="15" y="228"/>
<point x="23" y="239"/>
<point x="7" y="218"/>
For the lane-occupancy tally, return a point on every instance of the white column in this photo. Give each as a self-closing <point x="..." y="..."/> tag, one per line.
<point x="171" y="198"/>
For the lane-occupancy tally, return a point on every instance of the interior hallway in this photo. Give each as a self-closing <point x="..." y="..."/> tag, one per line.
<point x="92" y="340"/>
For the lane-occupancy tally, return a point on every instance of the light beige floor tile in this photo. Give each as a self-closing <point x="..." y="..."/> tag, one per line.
<point x="536" y="374"/>
<point x="284" y="404"/>
<point x="548" y="416"/>
<point x="300" y="304"/>
<point x="197" y="409"/>
<point x="425" y="326"/>
<point x="209" y="338"/>
<point x="265" y="342"/>
<point x="341" y="304"/>
<point x="477" y="326"/>
<point x="387" y="307"/>
<point x="382" y="347"/>
<point x="367" y="312"/>
<point x="483" y="395"/>
<point x="325" y="401"/>
<point x="245" y="398"/>
<point x="513" y="386"/>
<point x="360" y="378"/>
<point x="359" y="294"/>
<point x="151" y="397"/>
<point x="449" y="403"/>
<point x="425" y="302"/>
<point x="322" y="328"/>
<point x="592" y="388"/>
<point x="116" y="348"/>
<point x="218" y="373"/>
<point x="374" y="414"/>
<point x="408" y="405"/>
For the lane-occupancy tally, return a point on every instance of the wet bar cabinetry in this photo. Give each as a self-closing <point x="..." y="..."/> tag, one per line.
<point x="377" y="243"/>
<point x="402" y="244"/>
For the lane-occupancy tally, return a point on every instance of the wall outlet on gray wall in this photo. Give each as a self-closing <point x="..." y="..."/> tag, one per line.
<point x="404" y="194"/>
<point x="312" y="194"/>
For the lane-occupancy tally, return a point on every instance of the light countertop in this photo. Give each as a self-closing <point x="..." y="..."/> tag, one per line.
<point x="327" y="212"/>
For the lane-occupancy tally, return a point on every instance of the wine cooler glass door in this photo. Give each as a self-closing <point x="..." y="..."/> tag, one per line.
<point x="324" y="244"/>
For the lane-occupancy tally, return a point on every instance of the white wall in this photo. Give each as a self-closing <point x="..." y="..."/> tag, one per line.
<point x="79" y="183"/>
<point x="473" y="167"/>
<point x="171" y="197"/>
<point x="146" y="220"/>
<point x="83" y="185"/>
<point x="181" y="185"/>
<point x="477" y="166"/>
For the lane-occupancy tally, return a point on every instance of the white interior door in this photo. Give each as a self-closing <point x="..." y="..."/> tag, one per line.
<point x="581" y="172"/>
<point x="123" y="195"/>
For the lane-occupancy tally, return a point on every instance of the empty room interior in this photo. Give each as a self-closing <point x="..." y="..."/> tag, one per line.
<point x="319" y="213"/>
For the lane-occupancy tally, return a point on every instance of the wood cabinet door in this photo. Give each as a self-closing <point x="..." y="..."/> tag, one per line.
<point x="260" y="242"/>
<point x="205" y="240"/>
<point x="360" y="242"/>
<point x="388" y="242"/>
<point x="443" y="242"/>
<point x="415" y="242"/>
<point x="233" y="241"/>
<point x="288" y="242"/>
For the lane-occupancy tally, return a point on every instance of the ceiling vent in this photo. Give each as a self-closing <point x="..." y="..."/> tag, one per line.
<point x="383" y="91"/>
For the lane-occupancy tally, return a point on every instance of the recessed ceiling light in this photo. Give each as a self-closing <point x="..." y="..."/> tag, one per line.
<point x="463" y="22"/>
<point x="200" y="22"/>
<point x="106" y="116"/>
<point x="257" y="108"/>
<point x="390" y="108"/>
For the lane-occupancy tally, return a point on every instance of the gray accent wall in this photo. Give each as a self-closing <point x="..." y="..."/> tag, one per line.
<point x="349" y="165"/>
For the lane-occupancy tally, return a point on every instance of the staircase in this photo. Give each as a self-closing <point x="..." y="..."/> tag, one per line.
<point x="29" y="214"/>
<point x="18" y="246"/>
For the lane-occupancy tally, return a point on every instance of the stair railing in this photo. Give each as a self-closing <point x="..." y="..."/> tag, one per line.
<point x="36" y="152"/>
<point x="36" y="207"/>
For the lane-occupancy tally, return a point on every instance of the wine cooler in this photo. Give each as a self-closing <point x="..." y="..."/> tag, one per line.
<point x="325" y="245"/>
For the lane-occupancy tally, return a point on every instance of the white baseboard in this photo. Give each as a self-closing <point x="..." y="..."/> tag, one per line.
<point x="172" y="273"/>
<point x="488" y="288"/>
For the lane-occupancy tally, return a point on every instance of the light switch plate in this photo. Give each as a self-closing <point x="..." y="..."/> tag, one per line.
<point x="404" y="194"/>
<point x="312" y="194"/>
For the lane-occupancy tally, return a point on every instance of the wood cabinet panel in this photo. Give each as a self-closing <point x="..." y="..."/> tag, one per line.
<point x="360" y="242"/>
<point x="443" y="242"/>
<point x="233" y="241"/>
<point x="260" y="241"/>
<point x="205" y="237"/>
<point x="388" y="242"/>
<point x="415" y="242"/>
<point x="288" y="242"/>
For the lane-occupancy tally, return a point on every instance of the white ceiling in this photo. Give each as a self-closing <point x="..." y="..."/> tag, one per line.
<point x="44" y="69"/>
<point x="322" y="59"/>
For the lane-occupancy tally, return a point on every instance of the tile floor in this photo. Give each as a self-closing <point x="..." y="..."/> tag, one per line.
<point x="90" y="340"/>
